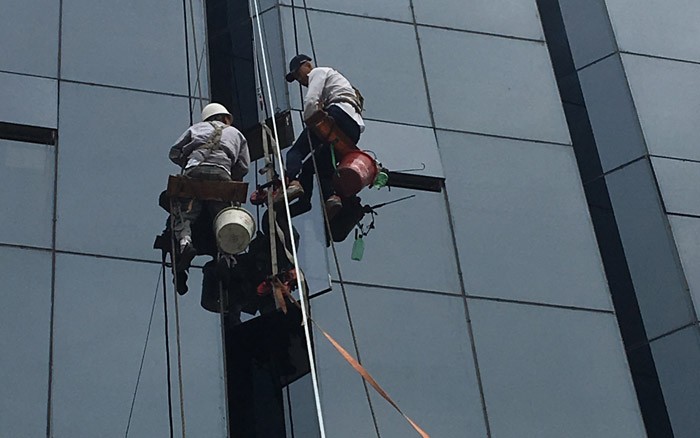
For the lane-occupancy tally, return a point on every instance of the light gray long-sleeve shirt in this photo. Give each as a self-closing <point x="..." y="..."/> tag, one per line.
<point x="232" y="154"/>
<point x="326" y="85"/>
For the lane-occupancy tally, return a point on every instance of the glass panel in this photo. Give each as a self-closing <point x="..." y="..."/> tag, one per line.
<point x="542" y="367"/>
<point x="521" y="100"/>
<point x="649" y="391"/>
<point x="29" y="170"/>
<point x="101" y="319"/>
<point x="28" y="100"/>
<point x="616" y="269"/>
<point x="344" y="402"/>
<point x="588" y="30"/>
<point x="679" y="182"/>
<point x="449" y="406"/>
<point x="686" y="232"/>
<point x="612" y="114"/>
<point x="141" y="45"/>
<point x="394" y="91"/>
<point x="32" y="51"/>
<point x="396" y="10"/>
<point x="677" y="358"/>
<point x="411" y="246"/>
<point x="666" y="104"/>
<point x="665" y="29"/>
<point x="300" y="410"/>
<point x="401" y="147"/>
<point x="202" y="362"/>
<point x="417" y="347"/>
<point x="521" y="221"/>
<point x="658" y="281"/>
<point x="110" y="175"/>
<point x="25" y="312"/>
<point x="504" y="17"/>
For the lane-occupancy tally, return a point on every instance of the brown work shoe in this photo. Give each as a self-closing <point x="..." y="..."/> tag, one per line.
<point x="294" y="191"/>
<point x="333" y="206"/>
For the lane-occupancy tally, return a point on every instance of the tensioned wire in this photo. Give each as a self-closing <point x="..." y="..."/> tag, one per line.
<point x="305" y="318"/>
<point x="327" y="222"/>
<point x="143" y="357"/>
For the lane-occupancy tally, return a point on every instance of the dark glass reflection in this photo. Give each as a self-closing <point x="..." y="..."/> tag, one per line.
<point x="643" y="369"/>
<point x="265" y="354"/>
<point x="231" y="67"/>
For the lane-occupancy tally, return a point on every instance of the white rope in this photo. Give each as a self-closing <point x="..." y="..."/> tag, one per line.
<point x="305" y="320"/>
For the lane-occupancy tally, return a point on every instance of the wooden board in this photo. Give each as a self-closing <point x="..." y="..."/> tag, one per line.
<point x="230" y="191"/>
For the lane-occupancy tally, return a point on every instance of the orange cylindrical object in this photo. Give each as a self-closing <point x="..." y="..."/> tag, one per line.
<point x="356" y="170"/>
<point x="325" y="128"/>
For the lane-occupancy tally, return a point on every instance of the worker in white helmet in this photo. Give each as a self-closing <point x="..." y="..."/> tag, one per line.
<point x="209" y="150"/>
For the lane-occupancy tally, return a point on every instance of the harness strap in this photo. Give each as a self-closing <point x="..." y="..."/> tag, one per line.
<point x="349" y="100"/>
<point x="214" y="141"/>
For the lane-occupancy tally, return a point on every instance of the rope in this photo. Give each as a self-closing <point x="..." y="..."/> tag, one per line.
<point x="328" y="227"/>
<point x="271" y="228"/>
<point x="177" y="321"/>
<point x="187" y="62"/>
<point x="308" y="27"/>
<point x="143" y="355"/>
<point x="222" y="325"/>
<point x="342" y="288"/>
<point x="167" y="347"/>
<point x="198" y="83"/>
<point x="366" y="376"/>
<point x="312" y="364"/>
<point x="179" y="363"/>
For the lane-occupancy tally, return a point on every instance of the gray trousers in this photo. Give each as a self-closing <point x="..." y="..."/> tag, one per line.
<point x="187" y="210"/>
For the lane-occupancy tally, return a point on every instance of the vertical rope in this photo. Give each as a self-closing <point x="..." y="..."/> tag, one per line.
<point x="222" y="325"/>
<point x="167" y="347"/>
<point x="312" y="363"/>
<point x="198" y="83"/>
<point x="308" y="27"/>
<point x="187" y="61"/>
<point x="177" y="321"/>
<point x="344" y="293"/>
<point x="328" y="227"/>
<point x="143" y="356"/>
<point x="179" y="364"/>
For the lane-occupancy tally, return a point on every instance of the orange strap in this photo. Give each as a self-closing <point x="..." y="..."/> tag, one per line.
<point x="365" y="375"/>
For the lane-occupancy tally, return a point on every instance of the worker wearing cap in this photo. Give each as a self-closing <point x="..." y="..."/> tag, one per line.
<point x="330" y="91"/>
<point x="209" y="150"/>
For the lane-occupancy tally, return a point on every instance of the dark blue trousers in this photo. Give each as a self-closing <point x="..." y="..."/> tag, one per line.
<point x="301" y="148"/>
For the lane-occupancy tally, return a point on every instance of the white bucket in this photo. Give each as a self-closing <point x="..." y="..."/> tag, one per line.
<point x="234" y="227"/>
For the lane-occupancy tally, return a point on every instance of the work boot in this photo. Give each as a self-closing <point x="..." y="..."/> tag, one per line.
<point x="187" y="253"/>
<point x="294" y="191"/>
<point x="258" y="197"/>
<point x="333" y="205"/>
<point x="181" y="285"/>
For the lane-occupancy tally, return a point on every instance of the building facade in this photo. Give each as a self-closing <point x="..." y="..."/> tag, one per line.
<point x="496" y="307"/>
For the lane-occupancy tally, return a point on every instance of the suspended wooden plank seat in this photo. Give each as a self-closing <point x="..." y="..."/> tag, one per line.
<point x="180" y="186"/>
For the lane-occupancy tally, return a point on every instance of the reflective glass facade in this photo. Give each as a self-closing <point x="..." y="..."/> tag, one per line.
<point x="82" y="309"/>
<point x="628" y="72"/>
<point x="549" y="289"/>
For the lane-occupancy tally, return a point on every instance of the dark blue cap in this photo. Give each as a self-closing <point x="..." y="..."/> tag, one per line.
<point x="294" y="65"/>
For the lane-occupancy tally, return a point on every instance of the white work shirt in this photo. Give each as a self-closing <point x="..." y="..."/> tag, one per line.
<point x="326" y="85"/>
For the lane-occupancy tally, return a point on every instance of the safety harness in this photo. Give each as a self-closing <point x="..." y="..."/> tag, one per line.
<point x="356" y="100"/>
<point x="214" y="141"/>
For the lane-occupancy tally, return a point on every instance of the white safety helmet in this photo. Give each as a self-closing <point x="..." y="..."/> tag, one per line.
<point x="213" y="109"/>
